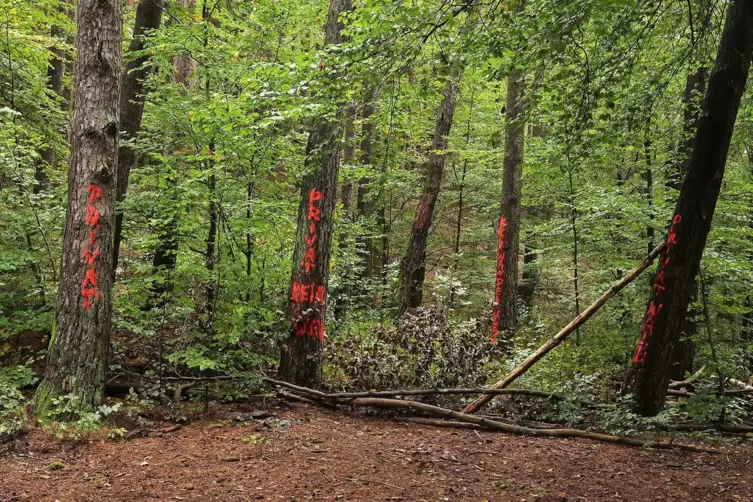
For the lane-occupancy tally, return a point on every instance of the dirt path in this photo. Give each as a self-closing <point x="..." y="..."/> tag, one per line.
<point x="309" y="454"/>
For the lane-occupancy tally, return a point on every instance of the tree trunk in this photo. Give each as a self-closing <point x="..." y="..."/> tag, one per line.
<point x="55" y="74"/>
<point x="77" y="357"/>
<point x="342" y="295"/>
<point x="166" y="251"/>
<point x="414" y="263"/>
<point x="148" y="17"/>
<point x="365" y="246"/>
<point x="683" y="353"/>
<point x="527" y="286"/>
<point x="691" y="223"/>
<point x="505" y="314"/>
<point x="301" y="354"/>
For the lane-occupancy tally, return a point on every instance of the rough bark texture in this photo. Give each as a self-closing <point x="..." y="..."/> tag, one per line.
<point x="77" y="356"/>
<point x="414" y="263"/>
<point x="301" y="354"/>
<point x="505" y="314"/>
<point x="148" y="17"/>
<point x="673" y="284"/>
<point x="683" y="353"/>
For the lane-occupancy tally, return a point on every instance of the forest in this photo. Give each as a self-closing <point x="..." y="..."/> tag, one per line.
<point x="376" y="250"/>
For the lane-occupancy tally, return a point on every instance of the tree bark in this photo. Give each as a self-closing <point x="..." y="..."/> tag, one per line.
<point x="691" y="223"/>
<point x="148" y="17"/>
<point x="301" y="353"/>
<point x="414" y="263"/>
<point x="505" y="313"/>
<point x="77" y="357"/>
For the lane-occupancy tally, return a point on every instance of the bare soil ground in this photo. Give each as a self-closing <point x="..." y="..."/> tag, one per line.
<point x="305" y="453"/>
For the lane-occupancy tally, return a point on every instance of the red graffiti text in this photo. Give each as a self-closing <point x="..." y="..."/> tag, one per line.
<point x="89" y="284"/>
<point x="647" y="330"/>
<point x="314" y="216"/>
<point x="308" y="294"/>
<point x="500" y="278"/>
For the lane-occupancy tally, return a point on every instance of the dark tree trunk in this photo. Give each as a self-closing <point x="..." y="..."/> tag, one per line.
<point x="55" y="74"/>
<point x="673" y="284"/>
<point x="505" y="313"/>
<point x="342" y="295"/>
<point x="414" y="263"/>
<point x="301" y="354"/>
<point x="527" y="286"/>
<point x="148" y="17"/>
<point x="77" y="357"/>
<point x="166" y="251"/>
<point x="366" y="246"/>
<point x="683" y="353"/>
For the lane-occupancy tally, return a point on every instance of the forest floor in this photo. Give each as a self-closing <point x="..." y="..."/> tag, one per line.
<point x="302" y="453"/>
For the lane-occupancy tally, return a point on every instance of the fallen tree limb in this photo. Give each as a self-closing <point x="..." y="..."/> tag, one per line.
<point x="496" y="425"/>
<point x="687" y="382"/>
<point x="515" y="429"/>
<point x="727" y="429"/>
<point x="567" y="330"/>
<point x="429" y="392"/>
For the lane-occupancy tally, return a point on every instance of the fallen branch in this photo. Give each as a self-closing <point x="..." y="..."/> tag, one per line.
<point x="726" y="429"/>
<point x="429" y="392"/>
<point x="687" y="382"/>
<point x="494" y="424"/>
<point x="567" y="330"/>
<point x="519" y="430"/>
<point x="151" y="432"/>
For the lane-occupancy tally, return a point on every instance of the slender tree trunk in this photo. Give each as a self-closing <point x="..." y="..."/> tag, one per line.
<point x="576" y="260"/>
<point x="301" y="354"/>
<point x="414" y="263"/>
<point x="366" y="247"/>
<point x="530" y="279"/>
<point x="461" y="190"/>
<point x="55" y="74"/>
<point x="505" y="314"/>
<point x="166" y="251"/>
<point x="148" y="17"/>
<point x="77" y="357"/>
<point x="342" y="295"/>
<point x="691" y="223"/>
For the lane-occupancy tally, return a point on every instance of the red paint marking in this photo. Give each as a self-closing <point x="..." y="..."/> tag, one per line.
<point x="89" y="284"/>
<point x="500" y="280"/>
<point x="647" y="330"/>
<point x="308" y="262"/>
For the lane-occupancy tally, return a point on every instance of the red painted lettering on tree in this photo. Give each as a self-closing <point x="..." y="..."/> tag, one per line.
<point x="314" y="215"/>
<point x="647" y="330"/>
<point x="89" y="284"/>
<point x="500" y="280"/>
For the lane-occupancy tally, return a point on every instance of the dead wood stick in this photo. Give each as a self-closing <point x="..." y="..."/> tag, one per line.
<point x="567" y="330"/>
<point x="723" y="428"/>
<point x="437" y="422"/>
<point x="515" y="429"/>
<point x="683" y="383"/>
<point x="427" y="392"/>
